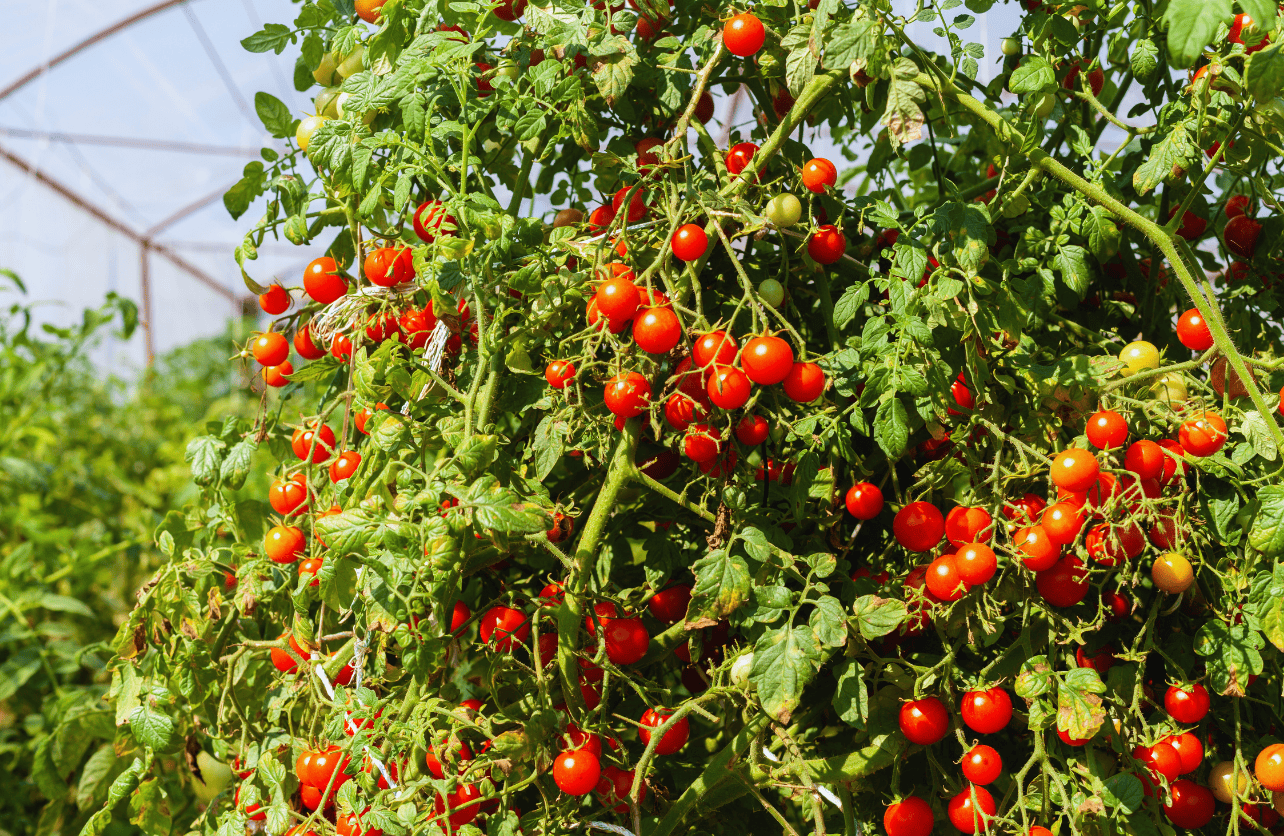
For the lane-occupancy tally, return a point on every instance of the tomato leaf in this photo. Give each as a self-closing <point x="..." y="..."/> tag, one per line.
<point x="1231" y="654"/>
<point x="1124" y="791"/>
<point x="204" y="453"/>
<point x="722" y="584"/>
<point x="828" y="622"/>
<point x="273" y="37"/>
<point x="1191" y="27"/>
<point x="891" y="426"/>
<point x="1175" y="149"/>
<point x="876" y="617"/>
<point x="152" y="728"/>
<point x="851" y="696"/>
<point x="850" y="42"/>
<point x="274" y="115"/>
<point x="236" y="467"/>
<point x="1035" y="679"/>
<point x="498" y="508"/>
<point x="1071" y="261"/>
<point x="1267" y="531"/>
<point x="1033" y="76"/>
<point x="1079" y="706"/>
<point x="784" y="661"/>
<point x="902" y="116"/>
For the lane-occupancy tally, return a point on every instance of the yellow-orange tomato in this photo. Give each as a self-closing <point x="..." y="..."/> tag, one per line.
<point x="1172" y="573"/>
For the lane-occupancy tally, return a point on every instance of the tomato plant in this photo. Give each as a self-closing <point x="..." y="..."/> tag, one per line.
<point x="911" y="449"/>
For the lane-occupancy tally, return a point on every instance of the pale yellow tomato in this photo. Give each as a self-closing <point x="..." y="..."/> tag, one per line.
<point x="1139" y="356"/>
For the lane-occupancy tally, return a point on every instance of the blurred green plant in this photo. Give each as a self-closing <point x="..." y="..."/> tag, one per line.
<point x="89" y="465"/>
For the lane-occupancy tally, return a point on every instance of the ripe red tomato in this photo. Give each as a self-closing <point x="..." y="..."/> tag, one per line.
<point x="826" y="245"/>
<point x="1041" y="553"/>
<point x="982" y="765"/>
<point x="804" y="383"/>
<point x="284" y="543"/>
<point x="1193" y="331"/>
<point x="1240" y="235"/>
<point x="962" y="398"/>
<point x="1146" y="459"/>
<point x="1025" y="510"/>
<point x="431" y="220"/>
<point x="1189" y="750"/>
<point x="637" y="203"/>
<point x="702" y="443"/>
<point x="509" y="10"/>
<point x="275" y="301"/>
<point x="1062" y="523"/>
<point x="680" y="411"/>
<point x="270" y="348"/>
<point x="278" y="376"/>
<point x="618" y="299"/>
<point x="818" y="174"/>
<point x="559" y="373"/>
<point x="508" y="627"/>
<point x="321" y="280"/>
<point x="345" y="465"/>
<point x="690" y="242"/>
<point x="714" y="348"/>
<point x="1269" y="767"/>
<point x="1065" y="584"/>
<point x="614" y="786"/>
<point x="743" y="35"/>
<point x="1160" y="759"/>
<point x="1187" y="705"/>
<point x="319" y="441"/>
<point x="968" y="817"/>
<point x="1192" y="805"/>
<point x="670" y="605"/>
<point x="1174" y="460"/>
<point x="350" y="825"/>
<point x="1239" y="204"/>
<point x="657" y="330"/>
<point x="341" y="347"/>
<point x="1202" y="435"/>
<point x="628" y="394"/>
<point x="752" y="430"/>
<point x="459" y="807"/>
<point x="738" y="157"/>
<point x="968" y="525"/>
<point x="389" y="266"/>
<point x="987" y="711"/>
<point x="910" y="817"/>
<point x="943" y="579"/>
<point x="976" y="563"/>
<point x="286" y="496"/>
<point x="600" y="218"/>
<point x="1239" y="24"/>
<point x="924" y="721"/>
<point x="363" y="416"/>
<point x="1192" y="226"/>
<point x="457" y="753"/>
<point x="729" y="388"/>
<point x="1107" y="429"/>
<point x="1075" y="470"/>
<point x="304" y="344"/>
<point x="767" y="360"/>
<point x="918" y="526"/>
<point x="1101" y="661"/>
<point x="864" y="501"/>
<point x="626" y="639"/>
<point x="327" y="762"/>
<point x="673" y="740"/>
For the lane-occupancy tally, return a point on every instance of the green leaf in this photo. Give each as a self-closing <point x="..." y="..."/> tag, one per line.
<point x="722" y="584"/>
<point x="850" y="304"/>
<point x="784" y="661"/>
<point x="1143" y="58"/>
<point x="756" y="544"/>
<point x="828" y="623"/>
<point x="614" y="76"/>
<point x="1191" y="27"/>
<point x="800" y="68"/>
<point x="1264" y="76"/>
<point x="17" y="669"/>
<point x="252" y="184"/>
<point x="1174" y="150"/>
<point x="93" y="777"/>
<point x="274" y="115"/>
<point x="149" y="807"/>
<point x="236" y="467"/>
<point x="1035" y="679"/>
<point x="152" y="728"/>
<point x="1080" y="711"/>
<point x="273" y="36"/>
<point x="1099" y="228"/>
<point x="851" y="696"/>
<point x="877" y="617"/>
<point x="1231" y="655"/>
<point x="967" y="229"/>
<point x="1033" y="76"/>
<point x="1255" y="428"/>
<point x="204" y="453"/>
<point x="1267" y="531"/>
<point x="349" y="532"/>
<point x="1072" y="262"/>
<point x="546" y="446"/>
<point x="1124" y="791"/>
<point x="891" y="427"/>
<point x="498" y="508"/>
<point x="850" y="42"/>
<point x="902" y="116"/>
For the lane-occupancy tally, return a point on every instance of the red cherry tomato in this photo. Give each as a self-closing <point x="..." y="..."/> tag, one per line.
<point x="508" y="627"/>
<point x="674" y="739"/>
<point x="918" y="526"/>
<point x="657" y="330"/>
<point x="321" y="280"/>
<point x="804" y="383"/>
<point x="1193" y="331"/>
<point x="1192" y="805"/>
<point x="743" y="35"/>
<point x="670" y="605"/>
<point x="976" y="563"/>
<point x="752" y="430"/>
<point x="943" y="579"/>
<point x="1202" y="435"/>
<point x="767" y="360"/>
<point x="1075" y="470"/>
<point x="819" y="174"/>
<point x="987" y="711"/>
<point x="1187" y="705"/>
<point x="910" y="817"/>
<point x="864" y="501"/>
<point x="1189" y="750"/>
<point x="559" y="373"/>
<point x="690" y="242"/>
<point x="431" y="220"/>
<point x="968" y="525"/>
<point x="924" y="721"/>
<point x="1065" y="584"/>
<point x="1146" y="459"/>
<point x="827" y="245"/>
<point x="1107" y="429"/>
<point x="275" y="301"/>
<point x="627" y="640"/>
<point x="969" y="817"/>
<point x="982" y="765"/>
<point x="1240" y="235"/>
<point x="738" y="157"/>
<point x="389" y="266"/>
<point x="729" y="387"/>
<point x="628" y="394"/>
<point x="1062" y="523"/>
<point x="714" y="348"/>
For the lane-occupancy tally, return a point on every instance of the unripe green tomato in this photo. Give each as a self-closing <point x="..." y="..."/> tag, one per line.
<point x="772" y="292"/>
<point x="340" y="105"/>
<point x="777" y="432"/>
<point x="507" y="71"/>
<point x="1011" y="46"/>
<point x="784" y="210"/>
<point x="1015" y="205"/>
<point x="1074" y="21"/>
<point x="740" y="669"/>
<point x="324" y="102"/>
<point x="215" y="777"/>
<point x="307" y="126"/>
<point x="353" y="64"/>
<point x="1043" y="109"/>
<point x="1170" y="388"/>
<point x="324" y="73"/>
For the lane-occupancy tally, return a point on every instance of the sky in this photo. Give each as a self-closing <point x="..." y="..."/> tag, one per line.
<point x="148" y="127"/>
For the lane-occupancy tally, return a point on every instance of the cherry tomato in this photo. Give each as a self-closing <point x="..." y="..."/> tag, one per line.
<point x="284" y="543"/>
<point x="1187" y="705"/>
<point x="1241" y="234"/>
<point x="714" y="348"/>
<point x="626" y="639"/>
<point x="618" y="299"/>
<point x="752" y="430"/>
<point x="1071" y="741"/>
<point x="910" y="817"/>
<point x="628" y="394"/>
<point x="321" y="280"/>
<point x="968" y="817"/>
<point x="637" y="203"/>
<point x="670" y="605"/>
<point x="270" y="348"/>
<point x="826" y="245"/>
<point x="1160" y="759"/>
<point x="690" y="242"/>
<point x="743" y="35"/>
<point x="738" y="157"/>
<point x="457" y="753"/>
<point x="1137" y="357"/>
<point x="657" y="330"/>
<point x="702" y="443"/>
<point x="431" y="220"/>
<point x="320" y="442"/>
<point x="1065" y="584"/>
<point x="1075" y="470"/>
<point x="918" y="526"/>
<point x="1189" y="750"/>
<point x="1202" y="435"/>
<point x="345" y="465"/>
<point x="1025" y="510"/>
<point x="924" y="721"/>
<point x="1040" y="552"/>
<point x="943" y="579"/>
<point x="767" y="360"/>
<point x="784" y="210"/>
<point x="1269" y="767"/>
<point x="987" y="711"/>
<point x="1101" y="661"/>
<point x="1193" y="331"/>
<point x="286" y="496"/>
<point x="804" y="383"/>
<point x="363" y="416"/>
<point x="864" y="501"/>
<point x="1239" y="25"/>
<point x="976" y="563"/>
<point x="1192" y="805"/>
<point x="982" y="765"/>
<point x="680" y="411"/>
<point x="304" y="344"/>
<point x="673" y="740"/>
<point x="1145" y="458"/>
<point x="341" y="347"/>
<point x="1172" y="573"/>
<point x="508" y="627"/>
<point x="275" y="301"/>
<point x="509" y="10"/>
<point x="1239" y="204"/>
<point x="1062" y="523"/>
<point x="968" y="525"/>
<point x="459" y="807"/>
<point x="389" y="266"/>
<point x="1107" y="429"/>
<point x="278" y="376"/>
<point x="818" y="174"/>
<point x="559" y="373"/>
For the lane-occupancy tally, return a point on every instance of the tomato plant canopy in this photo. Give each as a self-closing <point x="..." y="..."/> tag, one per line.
<point x="535" y="561"/>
